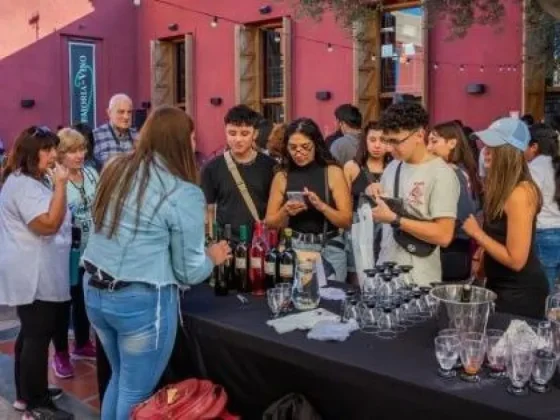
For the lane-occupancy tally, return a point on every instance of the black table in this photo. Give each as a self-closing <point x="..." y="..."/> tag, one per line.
<point x="362" y="378"/>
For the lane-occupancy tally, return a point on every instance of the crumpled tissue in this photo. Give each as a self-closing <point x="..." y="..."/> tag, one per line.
<point x="332" y="293"/>
<point x="332" y="330"/>
<point x="301" y="321"/>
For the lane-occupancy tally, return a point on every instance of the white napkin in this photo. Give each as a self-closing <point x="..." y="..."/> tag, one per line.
<point x="332" y="293"/>
<point x="518" y="332"/>
<point x="332" y="330"/>
<point x="301" y="321"/>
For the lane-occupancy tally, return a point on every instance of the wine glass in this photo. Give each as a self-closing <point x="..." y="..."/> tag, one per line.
<point x="447" y="352"/>
<point x="368" y="318"/>
<point x="519" y="365"/>
<point x="496" y="355"/>
<point x="286" y="291"/>
<point x="275" y="299"/>
<point x="387" y="323"/>
<point x="473" y="350"/>
<point x="350" y="310"/>
<point x="545" y="337"/>
<point x="543" y="370"/>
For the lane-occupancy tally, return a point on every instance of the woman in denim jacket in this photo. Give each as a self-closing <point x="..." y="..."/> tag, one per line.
<point x="148" y="241"/>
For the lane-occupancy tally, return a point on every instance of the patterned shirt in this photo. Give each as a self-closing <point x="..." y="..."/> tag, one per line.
<point x="107" y="143"/>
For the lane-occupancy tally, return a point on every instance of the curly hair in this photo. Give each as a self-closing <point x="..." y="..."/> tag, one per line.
<point x="404" y="116"/>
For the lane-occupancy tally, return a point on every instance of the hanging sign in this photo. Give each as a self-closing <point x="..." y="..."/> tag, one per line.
<point x="83" y="89"/>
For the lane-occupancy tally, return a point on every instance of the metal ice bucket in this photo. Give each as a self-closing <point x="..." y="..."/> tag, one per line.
<point x="471" y="316"/>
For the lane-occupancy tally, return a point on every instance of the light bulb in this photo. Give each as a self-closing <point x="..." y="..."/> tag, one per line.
<point x="329" y="47"/>
<point x="461" y="68"/>
<point x="436" y="66"/>
<point x="214" y="22"/>
<point x="482" y="69"/>
<point x="136" y="2"/>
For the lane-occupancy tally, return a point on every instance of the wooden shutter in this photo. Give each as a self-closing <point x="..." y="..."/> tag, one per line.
<point x="287" y="56"/>
<point x="534" y="72"/>
<point x="189" y="75"/>
<point x="246" y="67"/>
<point x="366" y="70"/>
<point x="162" y="73"/>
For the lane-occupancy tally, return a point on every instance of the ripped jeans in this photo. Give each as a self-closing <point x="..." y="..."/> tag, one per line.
<point x="137" y="327"/>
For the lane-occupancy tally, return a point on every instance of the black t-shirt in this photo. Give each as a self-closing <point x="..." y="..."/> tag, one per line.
<point x="220" y="189"/>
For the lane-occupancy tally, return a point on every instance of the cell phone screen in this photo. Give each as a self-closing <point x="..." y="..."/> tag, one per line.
<point x="296" y="196"/>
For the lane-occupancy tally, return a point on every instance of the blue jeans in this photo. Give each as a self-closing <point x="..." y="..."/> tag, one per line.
<point x="137" y="327"/>
<point x="548" y="251"/>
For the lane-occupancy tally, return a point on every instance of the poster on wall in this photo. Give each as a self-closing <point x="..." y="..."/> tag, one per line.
<point x="83" y="89"/>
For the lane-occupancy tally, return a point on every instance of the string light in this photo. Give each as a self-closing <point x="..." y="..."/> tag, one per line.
<point x="436" y="66"/>
<point x="136" y="2"/>
<point x="373" y="57"/>
<point x="214" y="22"/>
<point x="462" y="67"/>
<point x="482" y="69"/>
<point x="277" y="38"/>
<point x="330" y="47"/>
<point x="501" y="68"/>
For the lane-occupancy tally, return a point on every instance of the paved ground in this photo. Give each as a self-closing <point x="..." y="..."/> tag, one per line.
<point x="6" y="411"/>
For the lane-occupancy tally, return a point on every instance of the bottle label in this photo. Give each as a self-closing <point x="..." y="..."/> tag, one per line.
<point x="241" y="263"/>
<point x="256" y="263"/>
<point x="270" y="268"/>
<point x="286" y="271"/>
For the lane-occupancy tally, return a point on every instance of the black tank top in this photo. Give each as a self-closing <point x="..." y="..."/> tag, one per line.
<point x="312" y="177"/>
<point x="362" y="181"/>
<point x="499" y="276"/>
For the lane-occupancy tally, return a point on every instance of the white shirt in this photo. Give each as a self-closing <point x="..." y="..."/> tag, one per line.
<point x="32" y="267"/>
<point x="542" y="172"/>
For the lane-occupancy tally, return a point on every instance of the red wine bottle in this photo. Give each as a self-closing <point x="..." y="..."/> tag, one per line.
<point x="256" y="261"/>
<point x="271" y="261"/>
<point x="241" y="261"/>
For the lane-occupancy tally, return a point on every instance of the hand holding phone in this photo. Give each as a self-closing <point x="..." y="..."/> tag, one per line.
<point x="296" y="196"/>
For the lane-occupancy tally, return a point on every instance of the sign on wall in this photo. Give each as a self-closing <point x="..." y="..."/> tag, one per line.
<point x="83" y="89"/>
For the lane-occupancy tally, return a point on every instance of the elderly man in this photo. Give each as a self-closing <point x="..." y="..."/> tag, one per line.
<point x="116" y="136"/>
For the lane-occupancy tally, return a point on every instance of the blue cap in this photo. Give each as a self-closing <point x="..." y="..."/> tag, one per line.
<point x="511" y="131"/>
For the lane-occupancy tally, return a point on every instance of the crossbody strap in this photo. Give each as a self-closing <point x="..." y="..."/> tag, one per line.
<point x="232" y="167"/>
<point x="327" y="200"/>
<point x="397" y="181"/>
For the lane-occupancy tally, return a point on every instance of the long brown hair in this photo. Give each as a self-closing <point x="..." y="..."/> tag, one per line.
<point x="462" y="153"/>
<point x="362" y="154"/>
<point x="507" y="170"/>
<point x="24" y="156"/>
<point x="165" y="134"/>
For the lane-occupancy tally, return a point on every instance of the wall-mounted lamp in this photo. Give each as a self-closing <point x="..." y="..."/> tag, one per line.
<point x="216" y="101"/>
<point x="173" y="27"/>
<point x="265" y="10"/>
<point x="146" y="104"/>
<point x="323" y="95"/>
<point x="476" y="88"/>
<point x="27" y="103"/>
<point x="34" y="18"/>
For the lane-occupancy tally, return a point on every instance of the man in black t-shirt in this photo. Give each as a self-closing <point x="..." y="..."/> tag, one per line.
<point x="225" y="202"/>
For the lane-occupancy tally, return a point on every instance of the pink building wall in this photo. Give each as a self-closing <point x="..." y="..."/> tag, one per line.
<point x="34" y="58"/>
<point x="34" y="63"/>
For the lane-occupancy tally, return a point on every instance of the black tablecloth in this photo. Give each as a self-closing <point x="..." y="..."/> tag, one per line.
<point x="362" y="378"/>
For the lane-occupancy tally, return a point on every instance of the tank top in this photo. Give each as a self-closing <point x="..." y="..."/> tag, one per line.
<point x="312" y="177"/>
<point x="499" y="276"/>
<point x="362" y="181"/>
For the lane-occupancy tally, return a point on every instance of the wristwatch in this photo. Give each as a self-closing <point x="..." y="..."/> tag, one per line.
<point x="396" y="224"/>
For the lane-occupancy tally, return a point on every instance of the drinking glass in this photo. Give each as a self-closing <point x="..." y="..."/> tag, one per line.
<point x="275" y="301"/>
<point x="543" y="370"/>
<point x="473" y="350"/>
<point x="449" y="331"/>
<point x="545" y="337"/>
<point x="386" y="324"/>
<point x="286" y="291"/>
<point x="447" y="352"/>
<point x="350" y="310"/>
<point x="401" y="322"/>
<point x="519" y="365"/>
<point x="368" y="318"/>
<point x="496" y="356"/>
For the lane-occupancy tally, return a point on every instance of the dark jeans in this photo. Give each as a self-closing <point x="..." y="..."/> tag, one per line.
<point x="38" y="325"/>
<point x="79" y="319"/>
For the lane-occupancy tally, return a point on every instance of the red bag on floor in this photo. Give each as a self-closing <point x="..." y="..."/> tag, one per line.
<point x="192" y="399"/>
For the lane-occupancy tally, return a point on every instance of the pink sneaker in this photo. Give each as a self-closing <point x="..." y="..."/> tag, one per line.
<point x="86" y="352"/>
<point x="62" y="366"/>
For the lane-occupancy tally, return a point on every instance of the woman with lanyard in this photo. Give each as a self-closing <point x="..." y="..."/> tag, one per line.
<point x="81" y="187"/>
<point x="363" y="171"/>
<point x="310" y="195"/>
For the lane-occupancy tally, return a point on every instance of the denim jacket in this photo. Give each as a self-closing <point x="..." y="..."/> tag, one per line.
<point x="167" y="246"/>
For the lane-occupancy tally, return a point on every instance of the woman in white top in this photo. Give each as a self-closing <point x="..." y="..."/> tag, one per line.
<point x="544" y="164"/>
<point x="35" y="234"/>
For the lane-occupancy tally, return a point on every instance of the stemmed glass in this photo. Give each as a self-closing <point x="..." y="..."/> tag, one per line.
<point x="496" y="355"/>
<point x="387" y="323"/>
<point x="473" y="350"/>
<point x="368" y="318"/>
<point x="543" y="370"/>
<point x="519" y="365"/>
<point x="447" y="352"/>
<point x="453" y="332"/>
<point x="275" y="299"/>
<point x="545" y="337"/>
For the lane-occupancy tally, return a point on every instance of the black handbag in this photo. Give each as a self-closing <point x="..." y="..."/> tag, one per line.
<point x="291" y="407"/>
<point x="410" y="243"/>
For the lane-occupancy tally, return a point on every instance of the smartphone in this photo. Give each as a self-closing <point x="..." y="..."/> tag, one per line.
<point x="296" y="196"/>
<point x="395" y="204"/>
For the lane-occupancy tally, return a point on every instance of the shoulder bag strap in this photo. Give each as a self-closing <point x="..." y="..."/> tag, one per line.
<point x="397" y="181"/>
<point x="327" y="200"/>
<point x="232" y="167"/>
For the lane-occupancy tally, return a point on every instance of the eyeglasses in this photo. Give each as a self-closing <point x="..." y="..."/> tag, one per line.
<point x="397" y="142"/>
<point x="41" y="131"/>
<point x="305" y="148"/>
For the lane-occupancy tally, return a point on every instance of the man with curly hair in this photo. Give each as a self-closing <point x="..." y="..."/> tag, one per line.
<point x="428" y="187"/>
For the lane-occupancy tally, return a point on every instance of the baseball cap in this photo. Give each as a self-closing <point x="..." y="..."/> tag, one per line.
<point x="511" y="131"/>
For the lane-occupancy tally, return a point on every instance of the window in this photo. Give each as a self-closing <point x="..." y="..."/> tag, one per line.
<point x="179" y="73"/>
<point x="272" y="70"/>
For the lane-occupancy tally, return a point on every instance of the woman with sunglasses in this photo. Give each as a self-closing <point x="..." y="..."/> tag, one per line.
<point x="35" y="236"/>
<point x="309" y="194"/>
<point x="81" y="188"/>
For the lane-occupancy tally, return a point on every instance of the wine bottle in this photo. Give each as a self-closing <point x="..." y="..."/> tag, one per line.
<point x="211" y="239"/>
<point x="466" y="293"/>
<point x="287" y="260"/>
<point x="241" y="257"/>
<point x="257" y="254"/>
<point x="271" y="269"/>
<point x="221" y="272"/>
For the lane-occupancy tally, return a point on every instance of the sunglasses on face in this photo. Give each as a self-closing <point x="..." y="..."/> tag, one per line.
<point x="396" y="142"/>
